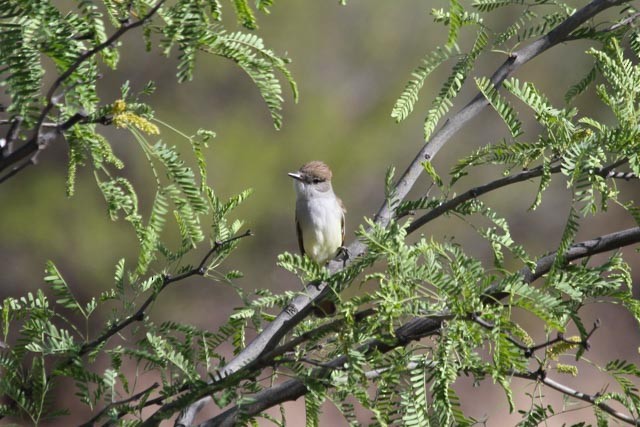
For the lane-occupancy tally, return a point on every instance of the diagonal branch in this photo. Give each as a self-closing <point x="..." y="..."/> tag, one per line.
<point x="139" y="315"/>
<point x="530" y="350"/>
<point x="301" y="306"/>
<point x="456" y="122"/>
<point x="292" y="389"/>
<point x="419" y="328"/>
<point x="411" y="331"/>
<point x="113" y="405"/>
<point x="541" y="377"/>
<point x="449" y="205"/>
<point x="12" y="134"/>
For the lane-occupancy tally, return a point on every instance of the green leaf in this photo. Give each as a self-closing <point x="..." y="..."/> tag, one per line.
<point x="505" y="110"/>
<point x="453" y="84"/>
<point x="62" y="290"/>
<point x="245" y="15"/>
<point x="430" y="170"/>
<point x="409" y="96"/>
<point x="456" y="12"/>
<point x="580" y="86"/>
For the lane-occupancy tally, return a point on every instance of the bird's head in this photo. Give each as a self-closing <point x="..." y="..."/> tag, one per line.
<point x="312" y="177"/>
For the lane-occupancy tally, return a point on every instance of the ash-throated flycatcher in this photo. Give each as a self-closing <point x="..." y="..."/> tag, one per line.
<point x="319" y="213"/>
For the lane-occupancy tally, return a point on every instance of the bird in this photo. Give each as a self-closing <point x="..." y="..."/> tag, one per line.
<point x="319" y="219"/>
<point x="319" y="212"/>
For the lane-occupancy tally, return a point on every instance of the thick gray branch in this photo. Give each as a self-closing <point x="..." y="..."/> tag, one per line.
<point x="425" y="326"/>
<point x="268" y="398"/>
<point x="479" y="102"/>
<point x="301" y="306"/>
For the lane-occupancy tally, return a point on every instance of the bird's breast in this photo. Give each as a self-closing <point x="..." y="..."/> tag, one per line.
<point x="321" y="225"/>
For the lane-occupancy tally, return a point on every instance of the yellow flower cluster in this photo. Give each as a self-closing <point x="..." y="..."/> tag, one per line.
<point x="556" y="350"/>
<point x="519" y="332"/>
<point x="125" y="119"/>
<point x="567" y="369"/>
<point x="119" y="107"/>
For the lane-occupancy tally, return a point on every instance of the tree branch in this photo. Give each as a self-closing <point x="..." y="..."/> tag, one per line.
<point x="301" y="306"/>
<point x="166" y="281"/>
<point x="541" y="376"/>
<point x="287" y="391"/>
<point x="185" y="418"/>
<point x="449" y="205"/>
<point x="530" y="350"/>
<point x="292" y="389"/>
<point x="411" y="331"/>
<point x="112" y="405"/>
<point x="38" y="141"/>
<point x="331" y="326"/>
<point x="12" y="134"/>
<point x="140" y="313"/>
<point x="518" y="58"/>
<point x="15" y="170"/>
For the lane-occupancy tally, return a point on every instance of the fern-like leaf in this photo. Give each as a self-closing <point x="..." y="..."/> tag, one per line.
<point x="405" y="103"/>
<point x="501" y="106"/>
<point x="453" y="84"/>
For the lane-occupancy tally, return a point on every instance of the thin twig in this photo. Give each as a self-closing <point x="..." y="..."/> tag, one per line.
<point x="15" y="170"/>
<point x="542" y="377"/>
<point x="126" y="26"/>
<point x="530" y="350"/>
<point x="38" y="141"/>
<point x="584" y="343"/>
<point x="559" y="338"/>
<point x="322" y="329"/>
<point x="475" y="192"/>
<point x="490" y="326"/>
<point x="140" y="313"/>
<point x="12" y="135"/>
<point x="112" y="405"/>
<point x="308" y="361"/>
<point x="76" y="118"/>
<point x="626" y="21"/>
<point x="166" y="281"/>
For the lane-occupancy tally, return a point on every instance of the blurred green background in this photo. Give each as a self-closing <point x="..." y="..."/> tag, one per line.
<point x="351" y="64"/>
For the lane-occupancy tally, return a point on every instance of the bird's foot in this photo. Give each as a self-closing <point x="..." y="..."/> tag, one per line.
<point x="343" y="254"/>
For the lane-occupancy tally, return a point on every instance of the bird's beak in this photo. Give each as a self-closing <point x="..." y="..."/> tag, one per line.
<point x="295" y="175"/>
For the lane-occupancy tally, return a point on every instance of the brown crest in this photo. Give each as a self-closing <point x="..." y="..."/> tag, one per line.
<point x="316" y="169"/>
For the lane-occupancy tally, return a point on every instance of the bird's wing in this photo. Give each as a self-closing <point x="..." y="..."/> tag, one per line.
<point x="299" y="233"/>
<point x="342" y="221"/>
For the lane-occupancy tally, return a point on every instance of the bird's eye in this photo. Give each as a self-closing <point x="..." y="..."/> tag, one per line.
<point x="316" y="180"/>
